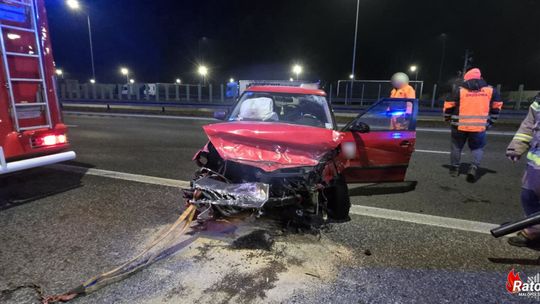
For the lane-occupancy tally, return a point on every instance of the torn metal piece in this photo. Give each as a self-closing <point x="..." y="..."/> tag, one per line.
<point x="246" y="195"/>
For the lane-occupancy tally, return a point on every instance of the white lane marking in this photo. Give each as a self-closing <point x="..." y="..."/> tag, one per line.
<point x="124" y="176"/>
<point x="423" y="219"/>
<point x="415" y="218"/>
<point x="438" y="130"/>
<point x="72" y="126"/>
<point x="139" y="116"/>
<point x="431" y="151"/>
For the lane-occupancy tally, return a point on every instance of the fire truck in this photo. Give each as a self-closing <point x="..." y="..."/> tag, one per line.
<point x="32" y="132"/>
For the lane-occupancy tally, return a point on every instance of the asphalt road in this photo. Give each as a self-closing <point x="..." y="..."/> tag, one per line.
<point x="403" y="245"/>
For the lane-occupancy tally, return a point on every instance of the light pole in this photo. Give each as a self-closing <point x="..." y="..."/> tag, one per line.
<point x="203" y="71"/>
<point x="125" y="72"/>
<point x="414" y="69"/>
<point x="297" y="70"/>
<point x="354" y="47"/>
<point x="76" y="6"/>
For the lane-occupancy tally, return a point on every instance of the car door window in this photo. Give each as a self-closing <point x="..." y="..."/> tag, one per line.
<point x="389" y="115"/>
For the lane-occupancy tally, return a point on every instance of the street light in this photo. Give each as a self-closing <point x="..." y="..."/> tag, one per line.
<point x="125" y="72"/>
<point x="59" y="72"/>
<point x="351" y="76"/>
<point x="297" y="70"/>
<point x="73" y="4"/>
<point x="291" y="79"/>
<point x="178" y="81"/>
<point x="76" y="6"/>
<point x="231" y="80"/>
<point x="132" y="81"/>
<point x="203" y="71"/>
<point x="92" y="81"/>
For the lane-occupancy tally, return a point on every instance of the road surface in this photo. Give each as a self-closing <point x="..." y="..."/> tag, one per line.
<point x="62" y="225"/>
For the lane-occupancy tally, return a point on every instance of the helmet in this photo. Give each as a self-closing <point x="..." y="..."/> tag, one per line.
<point x="400" y="80"/>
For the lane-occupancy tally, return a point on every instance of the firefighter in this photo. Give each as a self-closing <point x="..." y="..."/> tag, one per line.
<point x="528" y="139"/>
<point x="472" y="109"/>
<point x="402" y="89"/>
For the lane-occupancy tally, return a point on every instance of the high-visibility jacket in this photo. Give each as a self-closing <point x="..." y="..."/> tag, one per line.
<point x="405" y="92"/>
<point x="527" y="138"/>
<point x="473" y="106"/>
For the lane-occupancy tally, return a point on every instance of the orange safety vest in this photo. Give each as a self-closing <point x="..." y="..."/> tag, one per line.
<point x="405" y="92"/>
<point x="474" y="107"/>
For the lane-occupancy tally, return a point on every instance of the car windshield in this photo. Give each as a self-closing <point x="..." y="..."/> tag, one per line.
<point x="299" y="109"/>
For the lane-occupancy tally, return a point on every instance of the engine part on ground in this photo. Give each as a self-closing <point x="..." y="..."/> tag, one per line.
<point x="509" y="228"/>
<point x="130" y="266"/>
<point x="245" y="195"/>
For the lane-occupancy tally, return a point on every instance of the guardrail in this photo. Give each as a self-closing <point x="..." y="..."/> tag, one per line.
<point x="186" y="95"/>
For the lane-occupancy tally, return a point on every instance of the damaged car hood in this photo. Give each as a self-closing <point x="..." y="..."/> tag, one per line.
<point x="271" y="146"/>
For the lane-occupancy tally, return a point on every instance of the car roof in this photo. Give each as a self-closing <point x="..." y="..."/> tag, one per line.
<point x="285" y="89"/>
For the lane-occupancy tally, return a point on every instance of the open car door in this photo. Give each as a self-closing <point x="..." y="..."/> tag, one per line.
<point x="385" y="137"/>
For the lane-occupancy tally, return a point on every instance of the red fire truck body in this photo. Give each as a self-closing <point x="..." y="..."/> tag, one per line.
<point x="32" y="133"/>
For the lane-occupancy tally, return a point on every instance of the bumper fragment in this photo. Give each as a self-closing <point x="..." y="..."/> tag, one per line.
<point x="246" y="195"/>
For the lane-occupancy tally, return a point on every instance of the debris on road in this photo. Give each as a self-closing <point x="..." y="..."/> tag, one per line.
<point x="258" y="239"/>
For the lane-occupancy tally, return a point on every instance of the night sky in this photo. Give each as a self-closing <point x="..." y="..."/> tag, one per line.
<point x="163" y="40"/>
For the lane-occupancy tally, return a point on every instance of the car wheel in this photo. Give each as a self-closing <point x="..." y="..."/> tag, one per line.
<point x="338" y="202"/>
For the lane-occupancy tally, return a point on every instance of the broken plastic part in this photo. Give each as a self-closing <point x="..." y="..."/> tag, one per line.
<point x="246" y="195"/>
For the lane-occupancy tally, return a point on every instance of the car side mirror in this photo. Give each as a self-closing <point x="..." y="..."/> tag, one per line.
<point x="220" y="115"/>
<point x="360" y="127"/>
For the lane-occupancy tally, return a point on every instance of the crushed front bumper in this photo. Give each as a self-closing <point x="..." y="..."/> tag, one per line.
<point x="247" y="195"/>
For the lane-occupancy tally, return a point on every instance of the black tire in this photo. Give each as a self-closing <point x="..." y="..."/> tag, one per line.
<point x="338" y="202"/>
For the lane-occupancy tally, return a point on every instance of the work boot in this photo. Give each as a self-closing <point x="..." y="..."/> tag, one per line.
<point x="454" y="171"/>
<point x="522" y="240"/>
<point x="472" y="175"/>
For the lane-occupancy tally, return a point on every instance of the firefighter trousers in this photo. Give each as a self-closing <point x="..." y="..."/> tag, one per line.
<point x="530" y="197"/>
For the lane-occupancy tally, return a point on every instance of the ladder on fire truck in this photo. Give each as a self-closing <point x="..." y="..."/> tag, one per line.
<point x="42" y="102"/>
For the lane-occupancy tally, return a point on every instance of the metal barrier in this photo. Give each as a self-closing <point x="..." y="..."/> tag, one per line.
<point x="344" y="93"/>
<point x="157" y="92"/>
<point x="365" y="92"/>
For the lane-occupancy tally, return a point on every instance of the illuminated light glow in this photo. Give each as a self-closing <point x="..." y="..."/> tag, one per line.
<point x="61" y="139"/>
<point x="291" y="79"/>
<point x="92" y="81"/>
<point x="73" y="4"/>
<point x="132" y="81"/>
<point x="178" y="81"/>
<point x="203" y="70"/>
<point x="231" y="80"/>
<point x="124" y="71"/>
<point x="13" y="36"/>
<point x="397" y="135"/>
<point x="413" y="68"/>
<point x="297" y="69"/>
<point x="59" y="72"/>
<point x="397" y="113"/>
<point x="49" y="140"/>
<point x="351" y="76"/>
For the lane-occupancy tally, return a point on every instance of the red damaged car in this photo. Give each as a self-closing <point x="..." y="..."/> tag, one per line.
<point x="280" y="146"/>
